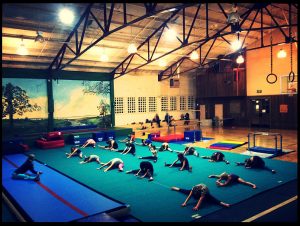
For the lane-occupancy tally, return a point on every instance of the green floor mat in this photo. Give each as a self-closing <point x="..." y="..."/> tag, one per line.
<point x="154" y="201"/>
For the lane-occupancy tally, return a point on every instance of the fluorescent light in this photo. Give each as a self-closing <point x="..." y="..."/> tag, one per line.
<point x="281" y="53"/>
<point x="171" y="35"/>
<point x="162" y="63"/>
<point x="22" y="50"/>
<point x="240" y="59"/>
<point x="103" y="58"/>
<point x="66" y="16"/>
<point x="132" y="48"/>
<point x="194" y="55"/>
<point x="236" y="44"/>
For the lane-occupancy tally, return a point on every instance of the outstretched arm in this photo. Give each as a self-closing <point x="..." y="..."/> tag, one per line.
<point x="103" y="165"/>
<point x="183" y="165"/>
<point x="187" y="199"/>
<point x="126" y="151"/>
<point x="70" y="155"/>
<point x="108" y="168"/>
<point x="199" y="202"/>
<point x="221" y="184"/>
<point x="174" y="162"/>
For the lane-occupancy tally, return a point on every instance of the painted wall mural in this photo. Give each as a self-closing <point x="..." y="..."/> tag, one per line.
<point x="24" y="105"/>
<point x="81" y="103"/>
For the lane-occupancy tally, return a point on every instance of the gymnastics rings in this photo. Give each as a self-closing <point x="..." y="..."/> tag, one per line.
<point x="291" y="75"/>
<point x="268" y="78"/>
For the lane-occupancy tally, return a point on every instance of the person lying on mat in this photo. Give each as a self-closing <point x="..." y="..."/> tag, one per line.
<point x="153" y="150"/>
<point x="91" y="158"/>
<point x="89" y="142"/>
<point x="111" y="145"/>
<point x="112" y="164"/>
<point x="130" y="148"/>
<point x="255" y="162"/>
<point x="201" y="193"/>
<point x="20" y="173"/>
<point x="145" y="170"/>
<point x="184" y="163"/>
<point x="130" y="138"/>
<point x="216" y="157"/>
<point x="74" y="152"/>
<point x="165" y="147"/>
<point x="145" y="142"/>
<point x="225" y="179"/>
<point x="189" y="151"/>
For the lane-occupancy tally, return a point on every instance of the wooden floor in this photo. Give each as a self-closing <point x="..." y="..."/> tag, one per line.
<point x="289" y="137"/>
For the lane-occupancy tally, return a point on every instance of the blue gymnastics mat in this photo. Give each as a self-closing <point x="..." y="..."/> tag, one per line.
<point x="55" y="198"/>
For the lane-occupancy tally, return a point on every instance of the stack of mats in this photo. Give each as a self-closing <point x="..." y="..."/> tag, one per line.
<point x="226" y="145"/>
<point x="169" y="138"/>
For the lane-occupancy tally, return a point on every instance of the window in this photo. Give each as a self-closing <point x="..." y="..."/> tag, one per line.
<point x="173" y="104"/>
<point x="142" y="104"/>
<point x="152" y="104"/>
<point x="131" y="104"/>
<point x="119" y="105"/>
<point x="191" y="103"/>
<point x="164" y="104"/>
<point x="182" y="103"/>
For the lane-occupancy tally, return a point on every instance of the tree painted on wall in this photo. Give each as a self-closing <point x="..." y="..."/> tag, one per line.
<point x="16" y="101"/>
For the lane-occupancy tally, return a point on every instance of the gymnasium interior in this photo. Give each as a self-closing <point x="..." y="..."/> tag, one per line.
<point x="217" y="77"/>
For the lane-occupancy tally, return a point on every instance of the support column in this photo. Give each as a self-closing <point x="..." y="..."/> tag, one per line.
<point x="50" y="102"/>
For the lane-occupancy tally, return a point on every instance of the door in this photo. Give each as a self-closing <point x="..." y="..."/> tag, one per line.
<point x="202" y="111"/>
<point x="260" y="113"/>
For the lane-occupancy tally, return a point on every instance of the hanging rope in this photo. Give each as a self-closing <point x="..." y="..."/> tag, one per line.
<point x="291" y="74"/>
<point x="271" y="81"/>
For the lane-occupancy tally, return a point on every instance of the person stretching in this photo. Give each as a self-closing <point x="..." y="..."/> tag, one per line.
<point x="201" y="193"/>
<point x="189" y="151"/>
<point x="255" y="162"/>
<point x="225" y="179"/>
<point x="112" y="145"/>
<point x="89" y="142"/>
<point x="145" y="170"/>
<point x="153" y="150"/>
<point x="216" y="157"/>
<point x="74" y="152"/>
<point x="184" y="163"/>
<point x="91" y="158"/>
<point x="130" y="148"/>
<point x="112" y="164"/>
<point x="165" y="147"/>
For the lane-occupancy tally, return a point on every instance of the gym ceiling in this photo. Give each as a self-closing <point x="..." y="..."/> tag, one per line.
<point x="98" y="38"/>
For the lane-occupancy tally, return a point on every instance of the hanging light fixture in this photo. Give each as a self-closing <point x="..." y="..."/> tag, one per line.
<point x="236" y="45"/>
<point x="240" y="59"/>
<point x="194" y="55"/>
<point x="22" y="50"/>
<point x="132" y="48"/>
<point x="66" y="16"/>
<point x="103" y="57"/>
<point x="281" y="53"/>
<point x="162" y="63"/>
<point x="171" y="34"/>
<point x="39" y="37"/>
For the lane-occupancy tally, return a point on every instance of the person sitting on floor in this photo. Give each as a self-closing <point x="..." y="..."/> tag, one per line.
<point x="153" y="150"/>
<point x="130" y="148"/>
<point x="201" y="193"/>
<point x="157" y="120"/>
<point x="145" y="170"/>
<point x="165" y="147"/>
<point x="189" y="151"/>
<point x="91" y="158"/>
<point x="112" y="164"/>
<point x="20" y="173"/>
<point x="229" y="179"/>
<point x="255" y="162"/>
<point x="74" y="152"/>
<point x="111" y="145"/>
<point x="145" y="142"/>
<point x="184" y="163"/>
<point x="130" y="138"/>
<point x="89" y="142"/>
<point x="216" y="157"/>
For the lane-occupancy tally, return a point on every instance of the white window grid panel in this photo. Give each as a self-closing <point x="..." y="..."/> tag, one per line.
<point x="164" y="103"/>
<point x="119" y="105"/>
<point x="131" y="104"/>
<point x="152" y="104"/>
<point x="173" y="103"/>
<point x="191" y="102"/>
<point x="142" y="104"/>
<point x="182" y="103"/>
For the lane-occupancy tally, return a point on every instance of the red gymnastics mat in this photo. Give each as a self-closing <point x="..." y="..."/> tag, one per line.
<point x="169" y="138"/>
